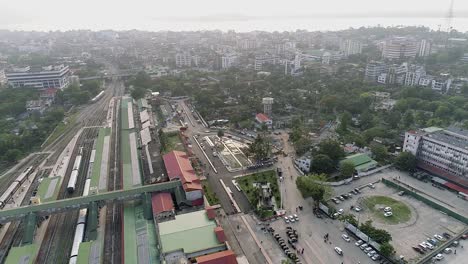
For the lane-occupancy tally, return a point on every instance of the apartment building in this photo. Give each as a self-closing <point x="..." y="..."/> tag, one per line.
<point x="399" y="48"/>
<point x="57" y="77"/>
<point x="228" y="61"/>
<point x="374" y="69"/>
<point x="183" y="59"/>
<point x="443" y="152"/>
<point x="350" y="47"/>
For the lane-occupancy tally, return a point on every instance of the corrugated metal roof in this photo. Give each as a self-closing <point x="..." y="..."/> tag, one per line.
<point x="162" y="202"/>
<point x="223" y="257"/>
<point x="145" y="136"/>
<point x="178" y="167"/>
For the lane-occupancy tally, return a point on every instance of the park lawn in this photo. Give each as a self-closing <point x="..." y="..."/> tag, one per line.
<point x="209" y="193"/>
<point x="401" y="212"/>
<point x="246" y="184"/>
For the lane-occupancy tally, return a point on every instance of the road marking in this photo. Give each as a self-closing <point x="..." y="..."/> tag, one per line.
<point x="206" y="156"/>
<point x="230" y="196"/>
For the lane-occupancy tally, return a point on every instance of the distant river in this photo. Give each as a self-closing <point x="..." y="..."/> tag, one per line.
<point x="245" y="25"/>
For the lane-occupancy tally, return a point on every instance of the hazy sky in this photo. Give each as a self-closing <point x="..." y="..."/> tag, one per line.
<point x="146" y="14"/>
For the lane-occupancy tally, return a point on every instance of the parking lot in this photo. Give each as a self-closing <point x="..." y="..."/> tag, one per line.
<point x="424" y="222"/>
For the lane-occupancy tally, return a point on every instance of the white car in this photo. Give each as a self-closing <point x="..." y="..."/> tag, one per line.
<point x="286" y="219"/>
<point x="367" y="250"/>
<point x="357" y="209"/>
<point x="358" y="243"/>
<point x="439" y="237"/>
<point x="339" y="251"/>
<point x="371" y="185"/>
<point x="291" y="219"/>
<point x="341" y="211"/>
<point x="387" y="214"/>
<point x="447" y="250"/>
<point x="439" y="257"/>
<point x="346" y="238"/>
<point x="387" y="209"/>
<point x="375" y="257"/>
<point x="372" y="253"/>
<point x="296" y="218"/>
<point x="428" y="245"/>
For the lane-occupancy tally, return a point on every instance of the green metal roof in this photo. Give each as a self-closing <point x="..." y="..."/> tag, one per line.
<point x="191" y="232"/>
<point x="366" y="166"/>
<point x="84" y="252"/>
<point x="22" y="255"/>
<point x="96" y="172"/>
<point x="49" y="188"/>
<point x="358" y="159"/>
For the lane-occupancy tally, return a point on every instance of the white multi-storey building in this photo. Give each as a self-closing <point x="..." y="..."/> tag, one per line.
<point x="441" y="151"/>
<point x="228" y="61"/>
<point x="183" y="59"/>
<point x="350" y="47"/>
<point x="3" y="78"/>
<point x="424" y="48"/>
<point x="399" y="48"/>
<point x="374" y="69"/>
<point x="57" y="77"/>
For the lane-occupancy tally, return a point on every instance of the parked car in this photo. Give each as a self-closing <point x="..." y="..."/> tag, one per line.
<point x="357" y="190"/>
<point x="291" y="219"/>
<point x="345" y="196"/>
<point x="455" y="244"/>
<point x="401" y="193"/>
<point x="446" y="235"/>
<point x="439" y="257"/>
<point x="363" y="246"/>
<point x="417" y="249"/>
<point x="428" y="245"/>
<point x="335" y="201"/>
<point x="286" y="219"/>
<point x="339" y="251"/>
<point x="388" y="214"/>
<point x="376" y="257"/>
<point x="358" y="243"/>
<point x="439" y="237"/>
<point x="371" y="253"/>
<point x="433" y="241"/>
<point x="340" y="211"/>
<point x="387" y="209"/>
<point x="341" y="198"/>
<point x="447" y="250"/>
<point x="357" y="209"/>
<point x="296" y="218"/>
<point x="346" y="238"/>
<point x="367" y="249"/>
<point x="371" y="185"/>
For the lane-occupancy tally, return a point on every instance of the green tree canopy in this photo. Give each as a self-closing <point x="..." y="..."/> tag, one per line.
<point x="332" y="149"/>
<point x="322" y="164"/>
<point x="406" y="161"/>
<point x="138" y="93"/>
<point x="347" y="169"/>
<point x="380" y="152"/>
<point x="310" y="186"/>
<point x="386" y="249"/>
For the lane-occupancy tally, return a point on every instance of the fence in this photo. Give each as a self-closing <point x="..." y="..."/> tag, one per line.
<point x="426" y="201"/>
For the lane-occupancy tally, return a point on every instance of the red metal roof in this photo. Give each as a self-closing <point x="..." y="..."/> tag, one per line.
<point x="219" y="231"/>
<point x="162" y="202"/>
<point x="262" y="117"/>
<point x="223" y="257"/>
<point x="178" y="167"/>
<point x="456" y="187"/>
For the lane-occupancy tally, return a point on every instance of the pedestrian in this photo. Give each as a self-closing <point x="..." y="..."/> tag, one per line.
<point x="261" y="241"/>
<point x="455" y="251"/>
<point x="302" y="251"/>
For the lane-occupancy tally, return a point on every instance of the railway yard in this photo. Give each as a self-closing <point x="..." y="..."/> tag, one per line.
<point x="104" y="191"/>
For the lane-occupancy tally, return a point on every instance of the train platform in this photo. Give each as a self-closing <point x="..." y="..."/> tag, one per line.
<point x="48" y="189"/>
<point x="23" y="255"/>
<point x="101" y="162"/>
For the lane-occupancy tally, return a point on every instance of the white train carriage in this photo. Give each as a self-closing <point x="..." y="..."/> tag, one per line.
<point x="8" y="193"/>
<point x="72" y="181"/>
<point x="77" y="163"/>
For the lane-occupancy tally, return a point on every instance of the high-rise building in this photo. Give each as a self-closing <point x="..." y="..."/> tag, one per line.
<point x="260" y="60"/>
<point x="246" y="44"/>
<point x="424" y="48"/>
<point x="228" y="61"/>
<point x="443" y="152"/>
<point x="3" y="78"/>
<point x="267" y="105"/>
<point x="57" y="77"/>
<point x="183" y="59"/>
<point x="399" y="48"/>
<point x="413" y="75"/>
<point x="374" y="69"/>
<point x="350" y="47"/>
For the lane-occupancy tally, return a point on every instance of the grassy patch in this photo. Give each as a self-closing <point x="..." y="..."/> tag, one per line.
<point x="173" y="143"/>
<point x="246" y="184"/>
<point x="401" y="212"/>
<point x="209" y="194"/>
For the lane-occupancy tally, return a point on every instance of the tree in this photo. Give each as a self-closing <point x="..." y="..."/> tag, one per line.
<point x="322" y="164"/>
<point x="220" y="133"/>
<point x="345" y="121"/>
<point x="138" y="93"/>
<point x="12" y="155"/>
<point x="260" y="148"/>
<point x="380" y="152"/>
<point x="347" y="169"/>
<point x="350" y="218"/>
<point x="406" y="161"/>
<point x="310" y="186"/>
<point x="386" y="249"/>
<point x="332" y="149"/>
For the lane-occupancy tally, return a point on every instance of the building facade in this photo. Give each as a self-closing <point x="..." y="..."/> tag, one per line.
<point x="374" y="69"/>
<point x="441" y="151"/>
<point x="183" y="59"/>
<point x="399" y="48"/>
<point x="350" y="47"/>
<point x="57" y="77"/>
